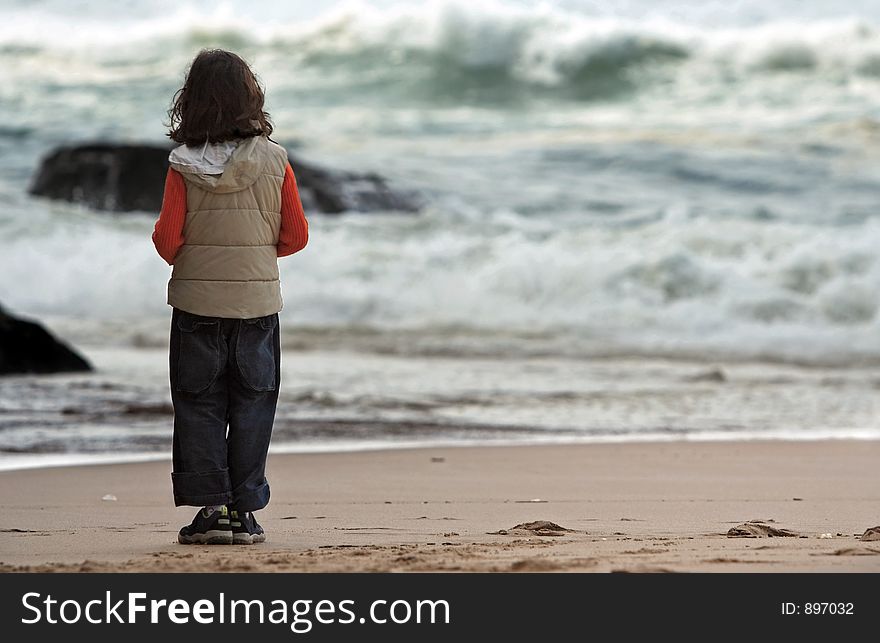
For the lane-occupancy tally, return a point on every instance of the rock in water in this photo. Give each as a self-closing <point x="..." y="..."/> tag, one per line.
<point x="715" y="375"/>
<point x="123" y="178"/>
<point x="27" y="347"/>
<point x="335" y="191"/>
<point x="105" y="176"/>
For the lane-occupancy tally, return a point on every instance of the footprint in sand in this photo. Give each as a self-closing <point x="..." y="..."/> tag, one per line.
<point x="871" y="534"/>
<point x="534" y="528"/>
<point x="759" y="529"/>
<point x="856" y="551"/>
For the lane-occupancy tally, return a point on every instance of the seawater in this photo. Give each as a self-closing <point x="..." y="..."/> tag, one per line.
<point x="685" y="181"/>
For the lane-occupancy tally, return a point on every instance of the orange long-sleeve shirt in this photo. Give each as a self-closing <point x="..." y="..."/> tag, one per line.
<point x="168" y="232"/>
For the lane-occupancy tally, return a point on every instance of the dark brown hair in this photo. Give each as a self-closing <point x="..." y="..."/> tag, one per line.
<point x="220" y="100"/>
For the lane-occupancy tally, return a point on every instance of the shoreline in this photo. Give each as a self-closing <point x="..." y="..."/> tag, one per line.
<point x="336" y="401"/>
<point x="661" y="506"/>
<point x="31" y="461"/>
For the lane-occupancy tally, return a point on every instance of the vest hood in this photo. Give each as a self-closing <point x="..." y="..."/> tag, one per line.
<point x="222" y="167"/>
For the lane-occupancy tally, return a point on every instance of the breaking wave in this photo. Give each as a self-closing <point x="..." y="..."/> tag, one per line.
<point x="481" y="49"/>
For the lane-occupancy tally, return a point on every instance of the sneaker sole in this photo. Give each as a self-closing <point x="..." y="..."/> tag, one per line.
<point x="212" y="537"/>
<point x="248" y="539"/>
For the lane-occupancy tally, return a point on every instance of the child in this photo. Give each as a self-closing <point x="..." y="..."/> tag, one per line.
<point x="230" y="208"/>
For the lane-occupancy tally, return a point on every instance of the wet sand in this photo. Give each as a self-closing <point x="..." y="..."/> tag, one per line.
<point x="663" y="506"/>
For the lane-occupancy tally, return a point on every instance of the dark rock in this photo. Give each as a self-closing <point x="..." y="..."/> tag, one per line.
<point x="335" y="191"/>
<point x="27" y="347"/>
<point x="715" y="375"/>
<point x="124" y="178"/>
<point x="111" y="177"/>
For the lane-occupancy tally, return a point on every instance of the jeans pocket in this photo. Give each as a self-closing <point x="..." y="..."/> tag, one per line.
<point x="199" y="360"/>
<point x="255" y="352"/>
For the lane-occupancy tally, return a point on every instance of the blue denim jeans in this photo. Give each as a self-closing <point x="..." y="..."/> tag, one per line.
<point x="225" y="378"/>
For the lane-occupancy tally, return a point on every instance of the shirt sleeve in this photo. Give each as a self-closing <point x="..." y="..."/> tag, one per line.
<point x="168" y="232"/>
<point x="294" y="234"/>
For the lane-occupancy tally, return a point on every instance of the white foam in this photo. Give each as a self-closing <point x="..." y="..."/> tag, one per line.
<point x="774" y="289"/>
<point x="21" y="462"/>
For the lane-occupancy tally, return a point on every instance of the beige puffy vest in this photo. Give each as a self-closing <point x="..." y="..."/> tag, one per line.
<point x="228" y="265"/>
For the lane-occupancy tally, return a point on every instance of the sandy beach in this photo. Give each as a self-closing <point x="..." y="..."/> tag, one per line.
<point x="630" y="507"/>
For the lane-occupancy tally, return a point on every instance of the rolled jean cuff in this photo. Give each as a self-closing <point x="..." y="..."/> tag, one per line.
<point x="202" y="489"/>
<point x="251" y="500"/>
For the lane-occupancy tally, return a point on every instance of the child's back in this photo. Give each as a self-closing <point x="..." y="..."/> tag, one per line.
<point x="227" y="266"/>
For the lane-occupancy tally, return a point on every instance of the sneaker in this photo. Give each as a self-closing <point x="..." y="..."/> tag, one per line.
<point x="245" y="529"/>
<point x="209" y="527"/>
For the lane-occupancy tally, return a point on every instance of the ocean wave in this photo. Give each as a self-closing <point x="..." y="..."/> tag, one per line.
<point x="754" y="288"/>
<point x="485" y="49"/>
<point x="474" y="48"/>
<point x="488" y="45"/>
<point x="624" y="229"/>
